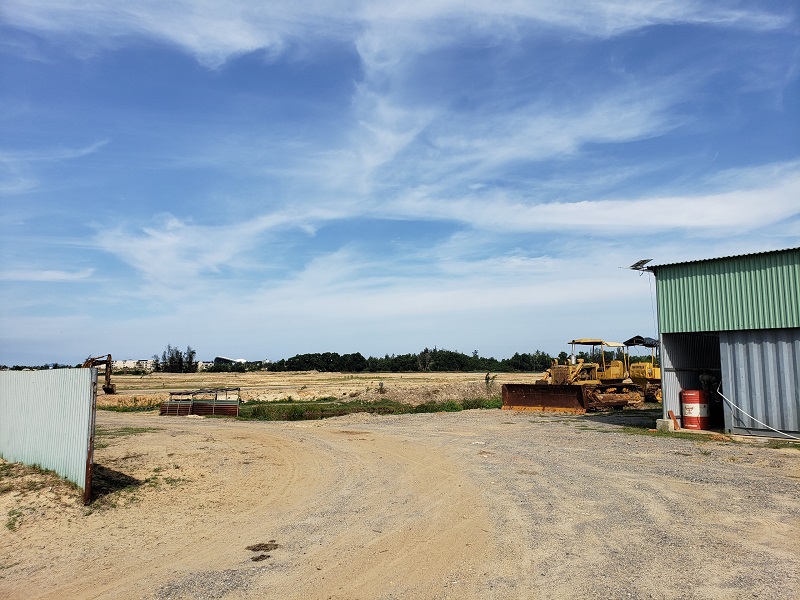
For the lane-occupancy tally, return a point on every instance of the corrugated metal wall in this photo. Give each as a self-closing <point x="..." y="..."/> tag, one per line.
<point x="761" y="375"/>
<point x="684" y="357"/>
<point x="755" y="291"/>
<point x="47" y="419"/>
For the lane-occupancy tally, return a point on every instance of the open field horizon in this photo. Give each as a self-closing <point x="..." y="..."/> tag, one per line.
<point x="265" y="386"/>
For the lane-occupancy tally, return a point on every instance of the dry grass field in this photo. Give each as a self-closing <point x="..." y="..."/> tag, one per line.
<point x="408" y="388"/>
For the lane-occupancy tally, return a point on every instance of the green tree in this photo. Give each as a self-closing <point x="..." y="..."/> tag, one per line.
<point x="175" y="361"/>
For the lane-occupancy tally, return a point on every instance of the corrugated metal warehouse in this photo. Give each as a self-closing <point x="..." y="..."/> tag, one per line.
<point x="735" y="321"/>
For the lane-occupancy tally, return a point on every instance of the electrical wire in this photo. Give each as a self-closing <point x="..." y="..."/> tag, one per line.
<point x="732" y="405"/>
<point x="653" y="303"/>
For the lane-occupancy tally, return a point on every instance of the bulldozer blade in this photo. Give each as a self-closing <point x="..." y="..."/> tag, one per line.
<point x="546" y="398"/>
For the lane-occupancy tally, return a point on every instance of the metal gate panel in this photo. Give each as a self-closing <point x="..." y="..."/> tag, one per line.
<point x="761" y="376"/>
<point x="47" y="418"/>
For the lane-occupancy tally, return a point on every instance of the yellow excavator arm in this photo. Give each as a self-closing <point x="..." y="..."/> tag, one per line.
<point x="96" y="361"/>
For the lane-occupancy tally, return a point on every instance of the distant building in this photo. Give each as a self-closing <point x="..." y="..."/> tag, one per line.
<point x="132" y="365"/>
<point x="223" y="360"/>
<point x="121" y="365"/>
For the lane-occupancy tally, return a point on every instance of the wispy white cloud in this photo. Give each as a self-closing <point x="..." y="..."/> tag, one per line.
<point x="539" y="131"/>
<point x="440" y="154"/>
<point x="175" y="253"/>
<point x="598" y="18"/>
<point x="767" y="199"/>
<point x="211" y="31"/>
<point x="46" y="275"/>
<point x="390" y="35"/>
<point x="70" y="153"/>
<point x="340" y="297"/>
<point x="17" y="167"/>
<point x="178" y="257"/>
<point x="214" y="32"/>
<point x="50" y="154"/>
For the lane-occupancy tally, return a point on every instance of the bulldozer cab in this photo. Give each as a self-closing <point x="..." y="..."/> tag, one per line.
<point x="645" y="374"/>
<point x="606" y="370"/>
<point x="643" y="369"/>
<point x="573" y="373"/>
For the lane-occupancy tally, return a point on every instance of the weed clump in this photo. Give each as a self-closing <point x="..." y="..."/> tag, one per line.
<point x="434" y="407"/>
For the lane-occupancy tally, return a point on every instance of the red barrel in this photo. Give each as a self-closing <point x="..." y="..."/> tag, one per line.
<point x="695" y="408"/>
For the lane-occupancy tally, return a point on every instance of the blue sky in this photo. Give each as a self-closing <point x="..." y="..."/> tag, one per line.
<point x="259" y="180"/>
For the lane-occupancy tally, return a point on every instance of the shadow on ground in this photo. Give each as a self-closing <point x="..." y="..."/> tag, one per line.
<point x="106" y="481"/>
<point x="637" y="417"/>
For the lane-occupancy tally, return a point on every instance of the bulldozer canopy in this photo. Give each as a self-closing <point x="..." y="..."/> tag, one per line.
<point x="595" y="342"/>
<point x="638" y="340"/>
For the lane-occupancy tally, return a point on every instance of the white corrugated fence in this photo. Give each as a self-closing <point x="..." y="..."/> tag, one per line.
<point x="47" y="419"/>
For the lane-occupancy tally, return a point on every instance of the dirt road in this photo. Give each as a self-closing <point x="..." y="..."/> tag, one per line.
<point x="477" y="504"/>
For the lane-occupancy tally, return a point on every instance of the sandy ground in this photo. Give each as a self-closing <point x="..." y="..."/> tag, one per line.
<point x="477" y="504"/>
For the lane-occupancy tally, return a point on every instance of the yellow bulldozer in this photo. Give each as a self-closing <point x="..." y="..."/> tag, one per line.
<point x="579" y="386"/>
<point x="646" y="375"/>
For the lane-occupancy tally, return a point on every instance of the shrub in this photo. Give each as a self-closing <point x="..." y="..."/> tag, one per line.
<point x="471" y="403"/>
<point x="431" y="407"/>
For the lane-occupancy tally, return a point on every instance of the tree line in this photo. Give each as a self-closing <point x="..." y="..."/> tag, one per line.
<point x="435" y="360"/>
<point x="174" y="360"/>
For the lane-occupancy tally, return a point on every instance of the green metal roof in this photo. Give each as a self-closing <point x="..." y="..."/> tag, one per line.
<point x="751" y="291"/>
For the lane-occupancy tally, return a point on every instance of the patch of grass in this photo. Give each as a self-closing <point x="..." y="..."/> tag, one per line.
<point x="128" y="408"/>
<point x="174" y="480"/>
<point x="776" y="445"/>
<point x="486" y="403"/>
<point x="547" y="419"/>
<point x="40" y="470"/>
<point x="22" y="478"/>
<point x="121" y="431"/>
<point x="14" y="516"/>
<point x="663" y="434"/>
<point x="682" y="435"/>
<point x="321" y="408"/>
<point x="434" y="407"/>
<point x="583" y="427"/>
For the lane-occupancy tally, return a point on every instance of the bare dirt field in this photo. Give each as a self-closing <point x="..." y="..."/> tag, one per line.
<point x="474" y="504"/>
